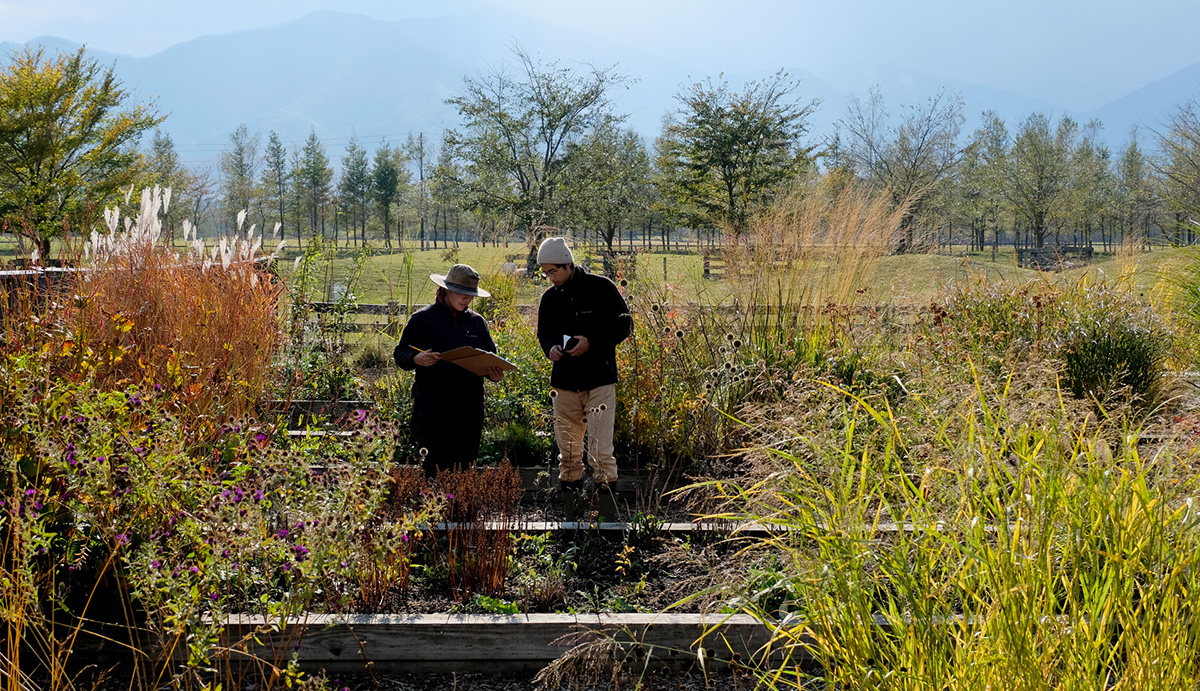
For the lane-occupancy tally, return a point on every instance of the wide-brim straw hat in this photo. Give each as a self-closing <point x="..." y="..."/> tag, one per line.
<point x="461" y="279"/>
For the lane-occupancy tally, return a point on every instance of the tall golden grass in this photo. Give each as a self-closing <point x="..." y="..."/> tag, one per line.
<point x="204" y="324"/>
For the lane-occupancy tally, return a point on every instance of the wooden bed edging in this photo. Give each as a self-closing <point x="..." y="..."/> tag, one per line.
<point x="435" y="643"/>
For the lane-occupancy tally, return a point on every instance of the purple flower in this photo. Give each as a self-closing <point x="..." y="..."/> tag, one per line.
<point x="301" y="552"/>
<point x="260" y="437"/>
<point x="213" y="596"/>
<point x="156" y="564"/>
<point x="225" y="553"/>
<point x="283" y="533"/>
<point x="30" y="492"/>
<point x="258" y="495"/>
<point x="404" y="537"/>
<point x="360" y="415"/>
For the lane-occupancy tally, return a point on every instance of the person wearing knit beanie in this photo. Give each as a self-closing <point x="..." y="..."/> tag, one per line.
<point x="581" y="319"/>
<point x="555" y="251"/>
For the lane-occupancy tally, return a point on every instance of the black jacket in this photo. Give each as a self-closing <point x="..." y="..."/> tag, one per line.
<point x="443" y="388"/>
<point x="586" y="305"/>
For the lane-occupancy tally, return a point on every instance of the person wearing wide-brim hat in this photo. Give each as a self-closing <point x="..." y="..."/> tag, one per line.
<point x="447" y="416"/>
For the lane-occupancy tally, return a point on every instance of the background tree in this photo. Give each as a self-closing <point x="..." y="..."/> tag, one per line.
<point x="980" y="181"/>
<point x="67" y="146"/>
<point x="275" y="183"/>
<point x="311" y="179"/>
<point x="388" y="175"/>
<point x="1090" y="186"/>
<point x="516" y="130"/>
<point x="239" y="176"/>
<point x="1135" y="203"/>
<point x="420" y="155"/>
<point x="913" y="161"/>
<point x="355" y="189"/>
<point x="724" y="154"/>
<point x="609" y="182"/>
<point x="1037" y="172"/>
<point x="1179" y="166"/>
<point x="445" y="183"/>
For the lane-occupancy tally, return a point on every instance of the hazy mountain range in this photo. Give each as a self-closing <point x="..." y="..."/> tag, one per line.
<point x="343" y="73"/>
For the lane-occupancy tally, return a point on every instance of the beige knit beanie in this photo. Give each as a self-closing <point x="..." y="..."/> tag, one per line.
<point x="555" y="251"/>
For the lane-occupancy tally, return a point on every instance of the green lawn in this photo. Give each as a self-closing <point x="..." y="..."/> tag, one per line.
<point x="901" y="279"/>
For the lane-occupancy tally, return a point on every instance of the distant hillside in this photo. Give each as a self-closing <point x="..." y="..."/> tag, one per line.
<point x="1149" y="108"/>
<point x="340" y="73"/>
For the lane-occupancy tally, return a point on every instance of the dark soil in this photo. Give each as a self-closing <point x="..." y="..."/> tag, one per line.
<point x="653" y="681"/>
<point x="583" y="571"/>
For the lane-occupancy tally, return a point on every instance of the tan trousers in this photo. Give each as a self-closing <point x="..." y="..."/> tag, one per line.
<point x="593" y="411"/>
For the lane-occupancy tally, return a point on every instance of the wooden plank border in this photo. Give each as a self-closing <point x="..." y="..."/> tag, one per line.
<point x="435" y="643"/>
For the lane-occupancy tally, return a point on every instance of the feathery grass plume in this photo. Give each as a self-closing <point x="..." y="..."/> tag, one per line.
<point x="692" y="367"/>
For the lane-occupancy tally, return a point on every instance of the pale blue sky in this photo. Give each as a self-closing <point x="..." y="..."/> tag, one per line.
<point x="1084" y="52"/>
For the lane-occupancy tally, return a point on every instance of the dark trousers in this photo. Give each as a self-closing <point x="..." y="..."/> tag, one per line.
<point x="450" y="441"/>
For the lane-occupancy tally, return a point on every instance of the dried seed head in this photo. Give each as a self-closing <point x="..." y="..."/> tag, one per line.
<point x="553" y="393"/>
<point x="679" y="333"/>
<point x="423" y="452"/>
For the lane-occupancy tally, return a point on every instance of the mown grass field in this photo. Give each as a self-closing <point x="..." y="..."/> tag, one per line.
<point x="909" y="279"/>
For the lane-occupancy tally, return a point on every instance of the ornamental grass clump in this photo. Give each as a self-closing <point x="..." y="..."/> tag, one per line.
<point x="1061" y="561"/>
<point x="1107" y="345"/>
<point x="203" y="324"/>
<point x="793" y="289"/>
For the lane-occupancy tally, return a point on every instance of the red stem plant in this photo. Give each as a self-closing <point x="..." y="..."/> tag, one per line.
<point x="483" y="511"/>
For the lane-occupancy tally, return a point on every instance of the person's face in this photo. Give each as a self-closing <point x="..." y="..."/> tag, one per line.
<point x="457" y="301"/>
<point x="557" y="275"/>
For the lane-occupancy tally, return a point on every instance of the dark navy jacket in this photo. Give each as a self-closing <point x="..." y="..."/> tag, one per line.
<point x="443" y="388"/>
<point x="586" y="305"/>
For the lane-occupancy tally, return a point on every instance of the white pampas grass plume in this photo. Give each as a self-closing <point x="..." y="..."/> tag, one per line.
<point x="166" y="200"/>
<point x="241" y="219"/>
<point x="278" y="225"/>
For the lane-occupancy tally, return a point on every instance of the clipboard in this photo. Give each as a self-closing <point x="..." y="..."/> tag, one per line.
<point x="476" y="361"/>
